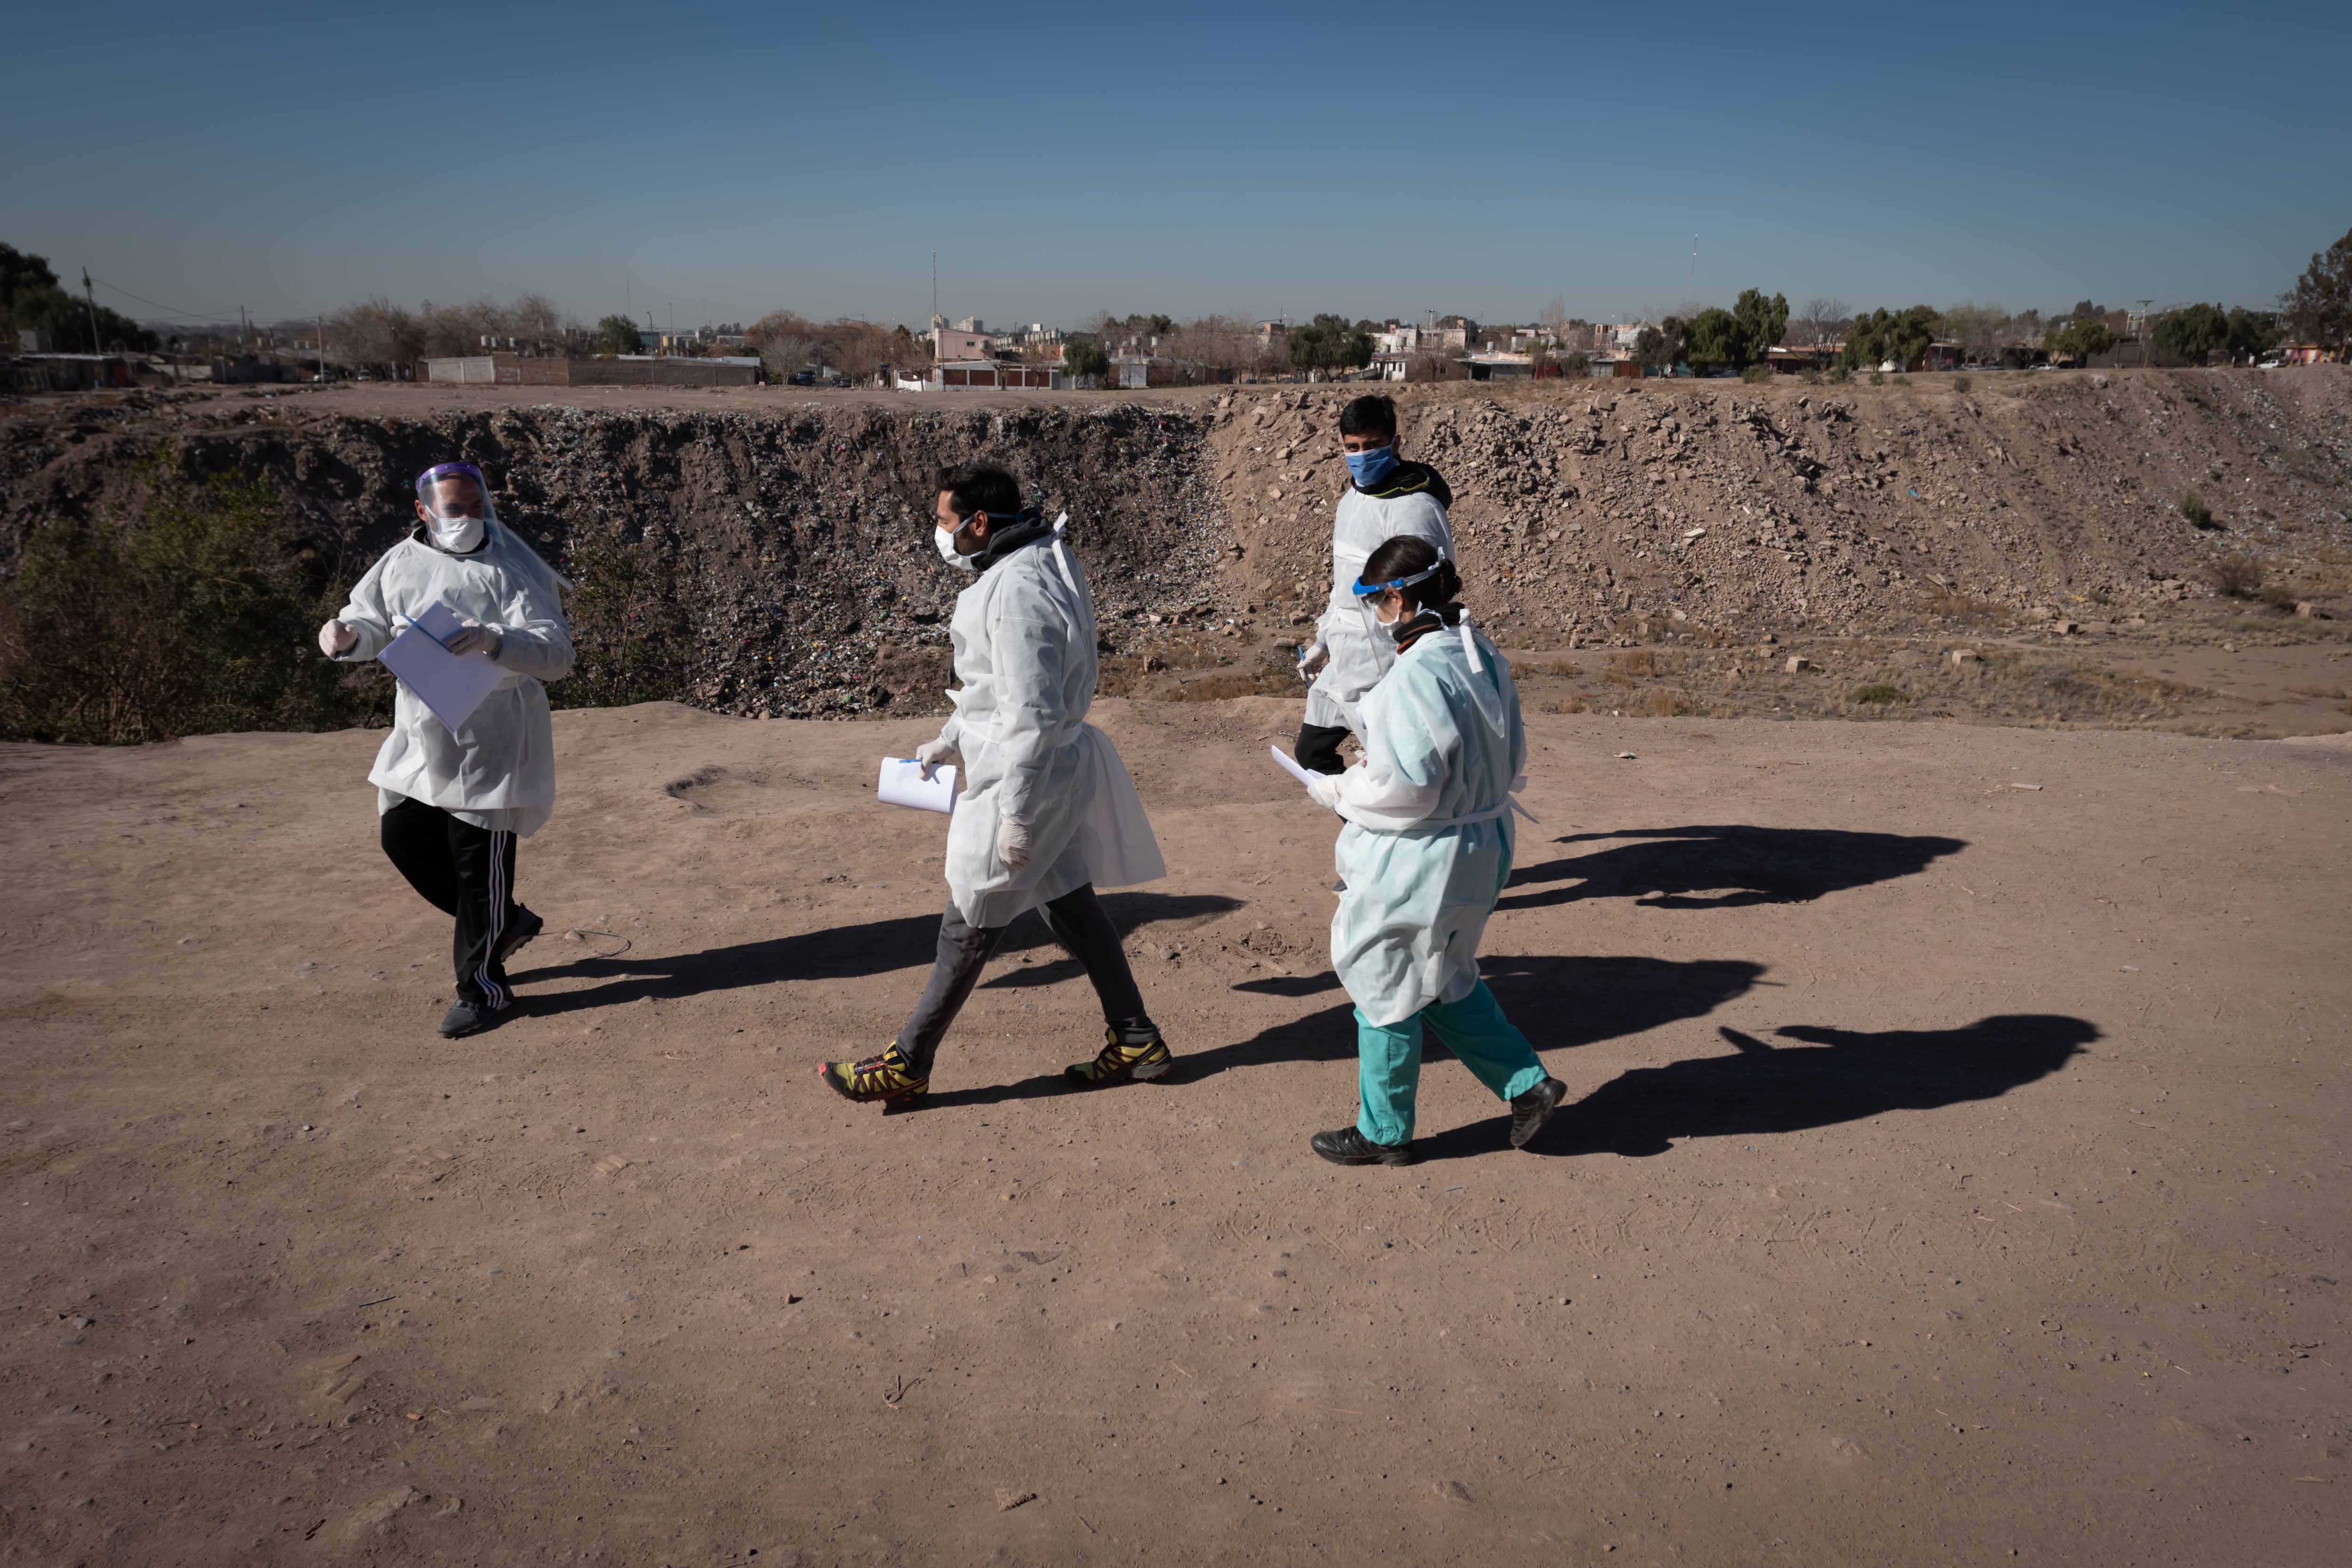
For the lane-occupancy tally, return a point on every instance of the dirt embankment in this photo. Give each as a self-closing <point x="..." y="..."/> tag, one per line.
<point x="776" y="563"/>
<point x="765" y="554"/>
<point x="1594" y="509"/>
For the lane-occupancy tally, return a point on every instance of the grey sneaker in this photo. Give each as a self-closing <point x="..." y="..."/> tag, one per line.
<point x="466" y="1017"/>
<point x="1530" y="1111"/>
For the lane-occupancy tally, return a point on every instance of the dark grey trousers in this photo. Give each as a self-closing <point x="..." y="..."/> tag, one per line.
<point x="1078" y="922"/>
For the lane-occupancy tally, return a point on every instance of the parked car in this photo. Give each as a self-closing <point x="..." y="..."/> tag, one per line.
<point x="803" y="378"/>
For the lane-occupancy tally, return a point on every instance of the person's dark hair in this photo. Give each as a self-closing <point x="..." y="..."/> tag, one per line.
<point x="980" y="487"/>
<point x="1371" y="414"/>
<point x="1406" y="556"/>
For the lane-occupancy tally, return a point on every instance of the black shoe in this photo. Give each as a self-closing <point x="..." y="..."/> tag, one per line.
<point x="526" y="926"/>
<point x="1347" y="1146"/>
<point x="466" y="1017"/>
<point x="1530" y="1111"/>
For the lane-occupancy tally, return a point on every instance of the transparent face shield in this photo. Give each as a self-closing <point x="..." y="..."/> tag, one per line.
<point x="1367" y="592"/>
<point x="456" y="502"/>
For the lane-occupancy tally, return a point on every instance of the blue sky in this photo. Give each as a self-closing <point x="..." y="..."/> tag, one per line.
<point x="719" y="160"/>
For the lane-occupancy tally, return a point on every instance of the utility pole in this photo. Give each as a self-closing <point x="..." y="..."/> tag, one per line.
<point x="91" y="300"/>
<point x="935" y="282"/>
<point x="2147" y="332"/>
<point x="240" y="328"/>
<point x="1693" y="282"/>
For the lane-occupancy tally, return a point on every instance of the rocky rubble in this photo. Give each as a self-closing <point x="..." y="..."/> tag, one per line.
<point x="776" y="559"/>
<point x="788" y="556"/>
<point x="1607" y="510"/>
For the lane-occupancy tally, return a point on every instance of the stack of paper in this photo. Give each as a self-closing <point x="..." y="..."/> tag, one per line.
<point x="903" y="783"/>
<point x="451" y="685"/>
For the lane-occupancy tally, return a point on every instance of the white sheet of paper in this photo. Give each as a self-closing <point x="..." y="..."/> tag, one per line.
<point x="451" y="685"/>
<point x="903" y="783"/>
<point x="1293" y="769"/>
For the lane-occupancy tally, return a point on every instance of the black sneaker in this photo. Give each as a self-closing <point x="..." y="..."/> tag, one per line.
<point x="1349" y="1146"/>
<point x="466" y="1017"/>
<point x="1530" y="1111"/>
<point x="526" y="926"/>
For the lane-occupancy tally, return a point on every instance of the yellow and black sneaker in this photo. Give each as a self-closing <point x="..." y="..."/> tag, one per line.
<point x="1120" y="1060"/>
<point x="886" y="1078"/>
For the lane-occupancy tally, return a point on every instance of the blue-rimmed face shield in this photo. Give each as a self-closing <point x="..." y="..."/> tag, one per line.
<point x="1367" y="592"/>
<point x="454" y="491"/>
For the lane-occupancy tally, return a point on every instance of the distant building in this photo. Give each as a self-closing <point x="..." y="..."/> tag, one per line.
<point x="980" y="374"/>
<point x="1502" y="367"/>
<point x="623" y="370"/>
<point x="961" y="342"/>
<point x="1789" y="361"/>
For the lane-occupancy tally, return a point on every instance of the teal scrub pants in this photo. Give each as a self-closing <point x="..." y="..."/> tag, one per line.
<point x="1388" y="1059"/>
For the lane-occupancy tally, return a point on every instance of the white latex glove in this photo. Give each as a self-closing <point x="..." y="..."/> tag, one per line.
<point x="1312" y="659"/>
<point x="472" y="637"/>
<point x="1325" y="788"/>
<point x="335" y="638"/>
<point x="931" y="753"/>
<point x="1013" y="845"/>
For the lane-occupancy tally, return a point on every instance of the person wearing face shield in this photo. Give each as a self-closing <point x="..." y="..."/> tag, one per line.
<point x="1387" y="497"/>
<point x="1424" y="854"/>
<point x="1047" y="812"/>
<point x="452" y="805"/>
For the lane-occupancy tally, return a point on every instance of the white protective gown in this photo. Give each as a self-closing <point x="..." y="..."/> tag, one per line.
<point x="1360" y="651"/>
<point x="498" y="770"/>
<point x="1025" y="649"/>
<point x="1429" y="839"/>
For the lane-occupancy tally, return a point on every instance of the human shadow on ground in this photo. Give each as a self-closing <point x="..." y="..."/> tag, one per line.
<point x="837" y="952"/>
<point x="1760" y="1089"/>
<point x="1725" y="867"/>
<point x="1560" y="1003"/>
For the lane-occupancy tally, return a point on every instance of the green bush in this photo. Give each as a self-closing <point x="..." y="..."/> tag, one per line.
<point x="1961" y="383"/>
<point x="2193" y="508"/>
<point x="1755" y="374"/>
<point x="1878" y="378"/>
<point x="1840" y="375"/>
<point x="1881" y="694"/>
<point x="1811" y="376"/>
<point x="192" y="616"/>
<point x="628" y="629"/>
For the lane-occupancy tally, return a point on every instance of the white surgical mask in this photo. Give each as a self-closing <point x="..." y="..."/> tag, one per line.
<point x="946" y="541"/>
<point x="456" y="534"/>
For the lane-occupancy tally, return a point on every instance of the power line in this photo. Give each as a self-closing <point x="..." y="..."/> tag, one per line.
<point x="194" y="315"/>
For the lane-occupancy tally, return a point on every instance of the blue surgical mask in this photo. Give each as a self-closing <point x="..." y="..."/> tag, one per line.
<point x="1369" y="469"/>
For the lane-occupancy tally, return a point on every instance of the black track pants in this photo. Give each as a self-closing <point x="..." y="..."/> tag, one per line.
<point x="465" y="871"/>
<point x="1078" y="922"/>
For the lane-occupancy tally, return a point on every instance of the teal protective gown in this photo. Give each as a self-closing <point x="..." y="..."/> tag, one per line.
<point x="1429" y="839"/>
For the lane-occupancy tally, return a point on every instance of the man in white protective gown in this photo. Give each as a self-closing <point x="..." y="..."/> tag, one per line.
<point x="1424" y="856"/>
<point x="1387" y="497"/>
<point x="451" y="805"/>
<point x="1047" y="814"/>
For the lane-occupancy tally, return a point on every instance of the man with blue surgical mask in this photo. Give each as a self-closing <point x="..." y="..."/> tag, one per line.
<point x="1388" y="497"/>
<point x="451" y="804"/>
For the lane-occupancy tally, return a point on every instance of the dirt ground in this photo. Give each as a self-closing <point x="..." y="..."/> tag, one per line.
<point x="1954" y="1169"/>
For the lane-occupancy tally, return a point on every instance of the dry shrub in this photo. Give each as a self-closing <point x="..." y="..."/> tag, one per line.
<point x="1662" y="704"/>
<point x="192" y="616"/>
<point x="1881" y="692"/>
<point x="1632" y="661"/>
<point x="2235" y="577"/>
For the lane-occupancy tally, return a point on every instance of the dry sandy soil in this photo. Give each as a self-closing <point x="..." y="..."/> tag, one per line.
<point x="1955" y="1169"/>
